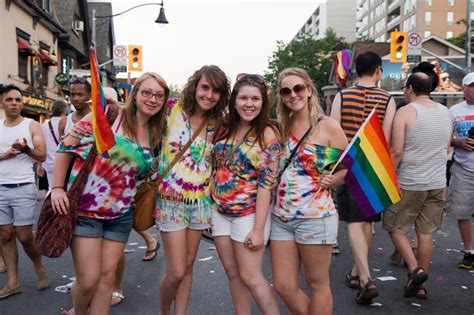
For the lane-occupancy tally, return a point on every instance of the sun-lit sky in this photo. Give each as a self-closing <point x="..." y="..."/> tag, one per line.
<point x="238" y="36"/>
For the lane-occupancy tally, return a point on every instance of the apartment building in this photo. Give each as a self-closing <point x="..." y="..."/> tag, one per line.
<point x="377" y="18"/>
<point x="340" y="15"/>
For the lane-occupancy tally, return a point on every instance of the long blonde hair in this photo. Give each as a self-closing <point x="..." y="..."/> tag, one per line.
<point x="156" y="122"/>
<point x="285" y="114"/>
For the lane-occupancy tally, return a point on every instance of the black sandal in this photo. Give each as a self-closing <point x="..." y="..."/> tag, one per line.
<point x="367" y="293"/>
<point x="353" y="282"/>
<point x="421" y="296"/>
<point x="415" y="282"/>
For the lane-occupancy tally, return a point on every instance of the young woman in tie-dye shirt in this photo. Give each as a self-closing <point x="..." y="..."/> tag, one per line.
<point x="184" y="203"/>
<point x="246" y="162"/>
<point x="305" y="221"/>
<point x="105" y="214"/>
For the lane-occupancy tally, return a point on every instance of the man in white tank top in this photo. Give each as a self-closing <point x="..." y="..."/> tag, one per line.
<point x="21" y="142"/>
<point x="421" y="136"/>
<point x="80" y="96"/>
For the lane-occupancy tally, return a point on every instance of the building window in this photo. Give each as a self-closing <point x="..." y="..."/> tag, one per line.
<point x="428" y="17"/>
<point x="427" y="33"/>
<point x="449" y="34"/>
<point x="22" y="65"/>
<point x="428" y="2"/>
<point x="45" y="74"/>
<point x="450" y="18"/>
<point x="451" y="3"/>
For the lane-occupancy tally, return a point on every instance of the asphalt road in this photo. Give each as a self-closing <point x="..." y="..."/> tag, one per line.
<point x="450" y="290"/>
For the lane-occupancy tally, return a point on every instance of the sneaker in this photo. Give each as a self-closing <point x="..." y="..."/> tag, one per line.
<point x="335" y="249"/>
<point x="467" y="262"/>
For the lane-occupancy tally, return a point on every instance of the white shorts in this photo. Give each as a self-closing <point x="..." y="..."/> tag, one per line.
<point x="237" y="228"/>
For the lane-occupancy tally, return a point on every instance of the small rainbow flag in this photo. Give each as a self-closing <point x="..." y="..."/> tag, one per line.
<point x="104" y="137"/>
<point x="371" y="176"/>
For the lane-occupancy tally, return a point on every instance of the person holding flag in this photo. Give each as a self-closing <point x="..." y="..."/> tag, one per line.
<point x="305" y="219"/>
<point x="105" y="215"/>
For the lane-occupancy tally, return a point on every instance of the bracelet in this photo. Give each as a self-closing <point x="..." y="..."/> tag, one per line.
<point x="57" y="187"/>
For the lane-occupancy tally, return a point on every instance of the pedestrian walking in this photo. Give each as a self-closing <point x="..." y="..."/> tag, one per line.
<point x="305" y="220"/>
<point x="184" y="202"/>
<point x="461" y="191"/>
<point x="80" y="96"/>
<point x="105" y="214"/>
<point x="420" y="142"/>
<point x="21" y="143"/>
<point x="246" y="153"/>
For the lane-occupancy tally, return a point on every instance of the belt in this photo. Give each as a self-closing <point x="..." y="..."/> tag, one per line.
<point x="14" y="185"/>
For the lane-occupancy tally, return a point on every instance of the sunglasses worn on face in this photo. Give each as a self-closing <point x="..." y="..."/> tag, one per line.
<point x="446" y="78"/>
<point x="253" y="77"/>
<point x="297" y="89"/>
<point x="150" y="94"/>
<point x="75" y="79"/>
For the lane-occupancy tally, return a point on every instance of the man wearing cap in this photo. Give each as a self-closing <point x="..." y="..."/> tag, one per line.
<point x="80" y="96"/>
<point x="21" y="142"/>
<point x="461" y="188"/>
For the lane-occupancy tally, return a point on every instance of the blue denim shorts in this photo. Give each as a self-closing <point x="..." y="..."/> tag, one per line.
<point x="116" y="230"/>
<point x="318" y="231"/>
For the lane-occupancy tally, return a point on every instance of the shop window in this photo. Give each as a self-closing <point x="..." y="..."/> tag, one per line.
<point x="22" y="65"/>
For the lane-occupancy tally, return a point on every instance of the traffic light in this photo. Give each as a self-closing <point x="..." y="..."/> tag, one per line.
<point x="398" y="46"/>
<point x="134" y="58"/>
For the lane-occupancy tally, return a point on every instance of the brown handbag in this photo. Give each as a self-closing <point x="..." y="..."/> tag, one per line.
<point x="54" y="231"/>
<point x="145" y="197"/>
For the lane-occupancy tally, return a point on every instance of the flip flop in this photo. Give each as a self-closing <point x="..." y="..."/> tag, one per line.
<point x="117" y="298"/>
<point x="7" y="291"/>
<point x="151" y="251"/>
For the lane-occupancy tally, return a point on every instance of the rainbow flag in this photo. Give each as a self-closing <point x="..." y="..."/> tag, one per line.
<point x="371" y="176"/>
<point x="104" y="137"/>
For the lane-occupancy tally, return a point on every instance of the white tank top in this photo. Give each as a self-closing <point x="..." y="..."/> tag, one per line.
<point x="18" y="169"/>
<point x="69" y="124"/>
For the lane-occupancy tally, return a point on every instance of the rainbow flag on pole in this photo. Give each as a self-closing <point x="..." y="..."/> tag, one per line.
<point x="371" y="176"/>
<point x="104" y="137"/>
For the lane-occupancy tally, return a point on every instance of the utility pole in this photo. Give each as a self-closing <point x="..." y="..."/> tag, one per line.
<point x="468" y="37"/>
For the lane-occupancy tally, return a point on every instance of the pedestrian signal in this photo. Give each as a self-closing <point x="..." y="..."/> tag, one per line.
<point x="134" y="58"/>
<point x="398" y="47"/>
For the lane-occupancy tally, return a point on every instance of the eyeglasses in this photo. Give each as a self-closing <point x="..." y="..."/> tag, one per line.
<point x="254" y="77"/>
<point x="297" y="89"/>
<point x="446" y="78"/>
<point x="75" y="80"/>
<point x="150" y="94"/>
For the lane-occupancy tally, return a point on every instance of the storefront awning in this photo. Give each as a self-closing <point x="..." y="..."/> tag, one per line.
<point x="24" y="46"/>
<point x="47" y="58"/>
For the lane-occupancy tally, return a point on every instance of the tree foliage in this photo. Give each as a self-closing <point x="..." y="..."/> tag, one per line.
<point x="460" y="40"/>
<point x="313" y="55"/>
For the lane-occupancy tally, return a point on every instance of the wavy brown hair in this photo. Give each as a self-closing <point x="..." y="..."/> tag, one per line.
<point x="285" y="114"/>
<point x="218" y="80"/>
<point x="156" y="122"/>
<point x="259" y="123"/>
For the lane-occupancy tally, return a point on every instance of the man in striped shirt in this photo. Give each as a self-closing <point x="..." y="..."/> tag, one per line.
<point x="351" y="107"/>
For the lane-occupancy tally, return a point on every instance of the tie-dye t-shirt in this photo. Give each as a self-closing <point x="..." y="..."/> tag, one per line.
<point x="111" y="184"/>
<point x="296" y="192"/>
<point x="188" y="181"/>
<point x="235" y="179"/>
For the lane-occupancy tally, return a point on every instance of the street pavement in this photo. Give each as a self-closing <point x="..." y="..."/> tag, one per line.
<point x="450" y="290"/>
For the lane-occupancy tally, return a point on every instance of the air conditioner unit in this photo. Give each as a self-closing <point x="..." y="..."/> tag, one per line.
<point x="78" y="26"/>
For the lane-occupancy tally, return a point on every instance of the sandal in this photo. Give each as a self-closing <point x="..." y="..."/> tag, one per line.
<point x="421" y="293"/>
<point x="117" y="298"/>
<point x="153" y="251"/>
<point x="367" y="293"/>
<point x="416" y="278"/>
<point x="353" y="282"/>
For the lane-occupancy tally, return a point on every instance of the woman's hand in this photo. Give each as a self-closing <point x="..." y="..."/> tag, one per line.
<point x="254" y="240"/>
<point x="79" y="132"/>
<point x="327" y="181"/>
<point x="59" y="201"/>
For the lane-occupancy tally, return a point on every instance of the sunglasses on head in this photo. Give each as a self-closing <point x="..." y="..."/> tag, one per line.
<point x="253" y="77"/>
<point x="75" y="79"/>
<point x="286" y="91"/>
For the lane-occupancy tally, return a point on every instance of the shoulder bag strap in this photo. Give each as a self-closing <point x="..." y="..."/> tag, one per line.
<point x="293" y="152"/>
<point x="181" y="153"/>
<point x="52" y="132"/>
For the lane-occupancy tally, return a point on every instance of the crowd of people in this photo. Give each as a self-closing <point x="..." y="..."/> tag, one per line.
<point x="222" y="162"/>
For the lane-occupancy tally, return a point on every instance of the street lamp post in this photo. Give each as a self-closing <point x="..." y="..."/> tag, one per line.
<point x="160" y="20"/>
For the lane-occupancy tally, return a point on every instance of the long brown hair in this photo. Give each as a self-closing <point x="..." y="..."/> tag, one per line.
<point x="156" y="122"/>
<point x="218" y="80"/>
<point x="285" y="114"/>
<point x="260" y="122"/>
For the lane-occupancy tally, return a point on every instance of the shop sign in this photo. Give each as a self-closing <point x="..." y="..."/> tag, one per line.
<point x="61" y="78"/>
<point x="37" y="102"/>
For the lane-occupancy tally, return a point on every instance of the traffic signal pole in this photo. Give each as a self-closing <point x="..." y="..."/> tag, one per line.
<point x="468" y="37"/>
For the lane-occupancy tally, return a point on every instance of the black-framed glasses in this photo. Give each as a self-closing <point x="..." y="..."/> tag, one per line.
<point x="286" y="91"/>
<point x="76" y="79"/>
<point x="254" y="77"/>
<point x="150" y="94"/>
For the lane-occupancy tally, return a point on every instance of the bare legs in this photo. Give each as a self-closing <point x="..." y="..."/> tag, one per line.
<point x="465" y="229"/>
<point x="360" y="238"/>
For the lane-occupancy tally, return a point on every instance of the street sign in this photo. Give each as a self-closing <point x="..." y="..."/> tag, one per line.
<point x="120" y="58"/>
<point x="414" y="58"/>
<point x="79" y="73"/>
<point x="414" y="43"/>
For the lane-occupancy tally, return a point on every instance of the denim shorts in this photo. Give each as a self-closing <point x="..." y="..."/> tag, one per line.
<point x="116" y="230"/>
<point x="318" y="231"/>
<point x="172" y="216"/>
<point x="18" y="205"/>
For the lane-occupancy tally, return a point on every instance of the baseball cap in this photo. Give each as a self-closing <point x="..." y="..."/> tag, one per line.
<point x="468" y="79"/>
